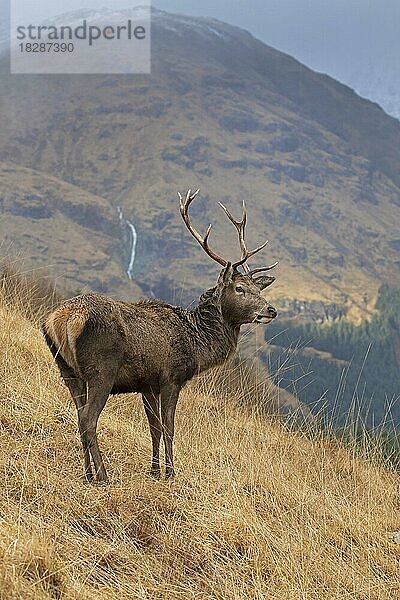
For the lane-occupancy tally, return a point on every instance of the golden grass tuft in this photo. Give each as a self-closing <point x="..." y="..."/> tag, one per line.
<point x="255" y="512"/>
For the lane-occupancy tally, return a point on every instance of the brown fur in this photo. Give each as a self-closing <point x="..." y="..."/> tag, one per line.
<point x="64" y="326"/>
<point x="103" y="346"/>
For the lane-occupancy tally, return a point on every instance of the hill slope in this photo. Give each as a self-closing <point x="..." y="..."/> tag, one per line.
<point x="255" y="512"/>
<point x="59" y="226"/>
<point x="318" y="165"/>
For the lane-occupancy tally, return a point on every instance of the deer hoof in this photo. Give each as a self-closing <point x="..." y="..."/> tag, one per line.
<point x="155" y="473"/>
<point x="169" y="474"/>
<point x="102" y="478"/>
<point x="88" y="477"/>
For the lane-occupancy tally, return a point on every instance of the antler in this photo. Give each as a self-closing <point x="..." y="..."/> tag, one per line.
<point x="254" y="271"/>
<point x="240" y="228"/>
<point x="246" y="254"/>
<point x="184" y="205"/>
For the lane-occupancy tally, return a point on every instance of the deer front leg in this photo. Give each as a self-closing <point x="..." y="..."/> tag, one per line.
<point x="169" y="399"/>
<point x="152" y="408"/>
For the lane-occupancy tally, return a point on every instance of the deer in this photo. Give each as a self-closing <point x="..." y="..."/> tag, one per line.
<point x="103" y="346"/>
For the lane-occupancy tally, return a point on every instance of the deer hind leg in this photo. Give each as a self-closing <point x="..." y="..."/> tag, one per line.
<point x="169" y="399"/>
<point x="97" y="393"/>
<point x="152" y="408"/>
<point x="77" y="389"/>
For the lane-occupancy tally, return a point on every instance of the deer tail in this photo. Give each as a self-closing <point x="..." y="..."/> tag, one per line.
<point x="61" y="330"/>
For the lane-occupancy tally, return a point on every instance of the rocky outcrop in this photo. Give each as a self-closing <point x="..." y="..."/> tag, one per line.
<point x="314" y="310"/>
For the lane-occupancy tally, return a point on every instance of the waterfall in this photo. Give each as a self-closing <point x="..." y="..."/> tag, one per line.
<point x="124" y="222"/>
<point x="133" y="249"/>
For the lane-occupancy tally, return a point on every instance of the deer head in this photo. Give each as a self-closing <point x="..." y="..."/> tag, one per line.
<point x="239" y="293"/>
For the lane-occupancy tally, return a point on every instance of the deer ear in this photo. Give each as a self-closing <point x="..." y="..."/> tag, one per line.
<point x="263" y="281"/>
<point x="226" y="274"/>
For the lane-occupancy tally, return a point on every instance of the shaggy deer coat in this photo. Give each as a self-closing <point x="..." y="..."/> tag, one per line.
<point x="104" y="346"/>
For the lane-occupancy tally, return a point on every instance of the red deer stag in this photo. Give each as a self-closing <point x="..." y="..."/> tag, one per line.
<point x="104" y="346"/>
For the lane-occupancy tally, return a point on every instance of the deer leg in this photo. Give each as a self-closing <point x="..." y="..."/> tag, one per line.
<point x="152" y="408"/>
<point x="88" y="415"/>
<point x="77" y="389"/>
<point x="78" y="393"/>
<point x="169" y="399"/>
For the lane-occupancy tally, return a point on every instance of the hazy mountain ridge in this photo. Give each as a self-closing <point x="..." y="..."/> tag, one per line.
<point x="224" y="112"/>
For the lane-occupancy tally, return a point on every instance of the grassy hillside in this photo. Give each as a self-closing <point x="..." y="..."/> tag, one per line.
<point x="255" y="512"/>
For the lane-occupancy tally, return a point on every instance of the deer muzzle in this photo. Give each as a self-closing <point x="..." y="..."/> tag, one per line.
<point x="271" y="313"/>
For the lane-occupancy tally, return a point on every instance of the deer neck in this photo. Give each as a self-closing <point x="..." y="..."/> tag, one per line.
<point x="214" y="339"/>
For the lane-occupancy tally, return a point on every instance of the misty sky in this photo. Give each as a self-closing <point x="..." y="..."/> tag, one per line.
<point x="326" y="35"/>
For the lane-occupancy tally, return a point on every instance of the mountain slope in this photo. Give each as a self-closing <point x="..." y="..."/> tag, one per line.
<point x="58" y="226"/>
<point x="221" y="111"/>
<point x="255" y="511"/>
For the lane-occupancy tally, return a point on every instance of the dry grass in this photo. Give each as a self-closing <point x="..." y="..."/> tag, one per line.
<point x="255" y="512"/>
<point x="32" y="294"/>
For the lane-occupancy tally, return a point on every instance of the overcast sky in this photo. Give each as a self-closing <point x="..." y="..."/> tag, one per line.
<point x="324" y="34"/>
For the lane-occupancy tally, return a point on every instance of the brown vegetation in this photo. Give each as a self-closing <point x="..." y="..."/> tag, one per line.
<point x="255" y="511"/>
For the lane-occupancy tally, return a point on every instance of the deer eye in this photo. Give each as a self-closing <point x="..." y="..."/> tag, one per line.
<point x="239" y="289"/>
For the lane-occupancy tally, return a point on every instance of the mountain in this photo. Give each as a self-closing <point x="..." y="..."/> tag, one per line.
<point x="59" y="227"/>
<point x="318" y="166"/>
